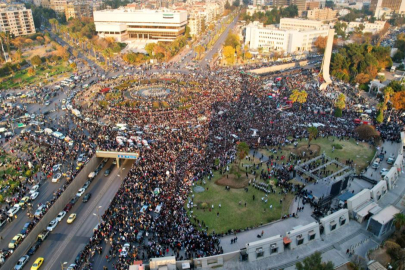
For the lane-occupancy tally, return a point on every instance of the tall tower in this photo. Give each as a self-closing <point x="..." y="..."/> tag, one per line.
<point x="326" y="60"/>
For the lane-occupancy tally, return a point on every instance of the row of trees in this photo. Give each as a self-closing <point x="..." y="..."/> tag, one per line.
<point x="360" y="63"/>
<point x="233" y="51"/>
<point x="272" y="16"/>
<point x="162" y="50"/>
<point x="400" y="44"/>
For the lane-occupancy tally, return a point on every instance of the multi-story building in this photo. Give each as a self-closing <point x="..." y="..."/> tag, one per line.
<point x="78" y="10"/>
<point x="16" y="19"/>
<point x="154" y="25"/>
<point x="325" y="14"/>
<point x="312" y="5"/>
<point x="280" y="3"/>
<point x="397" y="6"/>
<point x="271" y="38"/>
<point x="58" y="5"/>
<point x="195" y="22"/>
<point x="301" y="24"/>
<point x="368" y="27"/>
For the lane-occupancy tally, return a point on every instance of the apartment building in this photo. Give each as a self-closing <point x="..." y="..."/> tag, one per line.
<point x="325" y="14"/>
<point x="397" y="6"/>
<point x="373" y="28"/>
<point x="301" y="24"/>
<point x="78" y="10"/>
<point x="16" y="19"/>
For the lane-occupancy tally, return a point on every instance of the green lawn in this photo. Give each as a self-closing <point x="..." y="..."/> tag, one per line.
<point x="361" y="153"/>
<point x="21" y="78"/>
<point x="231" y="214"/>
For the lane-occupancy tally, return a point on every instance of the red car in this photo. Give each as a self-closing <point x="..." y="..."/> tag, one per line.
<point x="68" y="207"/>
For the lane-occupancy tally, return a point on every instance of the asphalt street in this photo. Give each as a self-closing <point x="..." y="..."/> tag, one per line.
<point x="67" y="240"/>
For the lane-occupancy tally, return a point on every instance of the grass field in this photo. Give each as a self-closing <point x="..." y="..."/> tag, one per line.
<point x="233" y="215"/>
<point x="21" y="78"/>
<point x="361" y="153"/>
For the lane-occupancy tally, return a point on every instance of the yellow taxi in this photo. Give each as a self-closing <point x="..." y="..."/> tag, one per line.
<point x="37" y="264"/>
<point x="24" y="200"/>
<point x="71" y="218"/>
<point x="15" y="241"/>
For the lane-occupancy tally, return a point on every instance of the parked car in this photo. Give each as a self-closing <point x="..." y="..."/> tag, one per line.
<point x="86" y="197"/>
<point x="61" y="215"/>
<point x="21" y="262"/>
<point x="52" y="225"/>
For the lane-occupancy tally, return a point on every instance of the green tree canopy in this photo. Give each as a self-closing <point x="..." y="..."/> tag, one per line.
<point x="314" y="262"/>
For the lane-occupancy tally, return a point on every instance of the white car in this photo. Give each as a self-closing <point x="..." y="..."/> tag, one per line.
<point x="56" y="177"/>
<point x="61" y="215"/>
<point x="71" y="267"/>
<point x="21" y="262"/>
<point x="34" y="195"/>
<point x="56" y="167"/>
<point x="384" y="172"/>
<point x="47" y="103"/>
<point x="52" y="225"/>
<point x="80" y="192"/>
<point x="13" y="210"/>
<point x="125" y="249"/>
<point x="63" y="107"/>
<point x="34" y="189"/>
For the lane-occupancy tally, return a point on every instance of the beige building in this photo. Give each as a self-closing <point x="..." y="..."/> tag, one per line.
<point x="325" y="14"/>
<point x="397" y="6"/>
<point x="78" y="10"/>
<point x="312" y="5"/>
<point x="16" y="19"/>
<point x="301" y="24"/>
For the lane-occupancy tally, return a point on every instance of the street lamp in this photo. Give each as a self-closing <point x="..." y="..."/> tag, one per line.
<point x="98" y="215"/>
<point x="63" y="265"/>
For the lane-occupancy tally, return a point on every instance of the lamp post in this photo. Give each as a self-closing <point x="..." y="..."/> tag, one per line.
<point x="98" y="215"/>
<point x="63" y="265"/>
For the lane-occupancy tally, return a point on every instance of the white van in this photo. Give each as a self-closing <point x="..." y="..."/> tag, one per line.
<point x="48" y="131"/>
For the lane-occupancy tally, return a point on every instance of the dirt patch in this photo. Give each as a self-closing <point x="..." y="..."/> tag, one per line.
<point x="42" y="51"/>
<point x="233" y="181"/>
<point x="304" y="151"/>
<point x="380" y="255"/>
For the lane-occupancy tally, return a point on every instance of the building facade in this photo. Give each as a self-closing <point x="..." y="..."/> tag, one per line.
<point x="368" y="27"/>
<point x="78" y="10"/>
<point x="397" y="6"/>
<point x="325" y="14"/>
<point x="271" y="38"/>
<point x="157" y="25"/>
<point x="301" y="24"/>
<point x="16" y="19"/>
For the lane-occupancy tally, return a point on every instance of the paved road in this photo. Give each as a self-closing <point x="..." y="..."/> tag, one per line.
<point x="67" y="240"/>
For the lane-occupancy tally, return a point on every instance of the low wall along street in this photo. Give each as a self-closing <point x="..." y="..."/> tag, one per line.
<point x="58" y="206"/>
<point x="263" y="71"/>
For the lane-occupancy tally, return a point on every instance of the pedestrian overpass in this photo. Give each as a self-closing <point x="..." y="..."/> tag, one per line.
<point x="117" y="155"/>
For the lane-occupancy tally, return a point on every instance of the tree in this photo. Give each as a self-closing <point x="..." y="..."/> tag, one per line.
<point x="229" y="54"/>
<point x="150" y="48"/>
<point x="380" y="116"/>
<point x="312" y="133"/>
<point x="320" y="44"/>
<point x="199" y="50"/>
<point x="232" y="40"/>
<point x="18" y="55"/>
<point x="398" y="57"/>
<point x="396" y="86"/>
<point x="242" y="150"/>
<point x="388" y="93"/>
<point x="398" y="100"/>
<point x="73" y="65"/>
<point x="36" y="61"/>
<point x="31" y="71"/>
<point x="341" y="102"/>
<point x="399" y="221"/>
<point x="299" y="96"/>
<point x="366" y="132"/>
<point x="314" y="262"/>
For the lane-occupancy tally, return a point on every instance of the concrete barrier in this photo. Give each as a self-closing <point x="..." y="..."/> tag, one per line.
<point x="58" y="206"/>
<point x="262" y="71"/>
<point x="215" y="261"/>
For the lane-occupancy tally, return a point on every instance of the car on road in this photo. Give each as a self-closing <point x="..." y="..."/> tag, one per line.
<point x="125" y="249"/>
<point x="25" y="229"/>
<point x="21" y="262"/>
<point x="80" y="192"/>
<point x="86" y="185"/>
<point x="71" y="218"/>
<point x="34" y="195"/>
<point x="39" y="211"/>
<point x="34" y="189"/>
<point x="47" y="103"/>
<point x="72" y="267"/>
<point x="56" y="177"/>
<point x="13" y="210"/>
<point x="391" y="160"/>
<point x="74" y="200"/>
<point x="37" y="264"/>
<point x="24" y="200"/>
<point x="384" y="172"/>
<point x="86" y="197"/>
<point x="52" y="225"/>
<point x="56" y="167"/>
<point x="81" y="158"/>
<point x="61" y="215"/>
<point x="68" y="207"/>
<point x="15" y="241"/>
<point x="34" y="248"/>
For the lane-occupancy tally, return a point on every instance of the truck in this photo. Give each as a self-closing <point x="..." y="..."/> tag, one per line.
<point x="43" y="235"/>
<point x="76" y="112"/>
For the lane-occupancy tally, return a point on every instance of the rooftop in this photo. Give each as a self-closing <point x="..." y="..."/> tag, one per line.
<point x="386" y="215"/>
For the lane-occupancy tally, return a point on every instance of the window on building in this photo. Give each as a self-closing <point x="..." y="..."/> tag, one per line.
<point x="332" y="225"/>
<point x="259" y="252"/>
<point x="273" y="249"/>
<point x="300" y="240"/>
<point x="311" y="235"/>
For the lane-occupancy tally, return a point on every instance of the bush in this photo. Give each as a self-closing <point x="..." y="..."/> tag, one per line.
<point x="338" y="112"/>
<point x="204" y="205"/>
<point x="401" y="241"/>
<point x="337" y="146"/>
<point x="28" y="173"/>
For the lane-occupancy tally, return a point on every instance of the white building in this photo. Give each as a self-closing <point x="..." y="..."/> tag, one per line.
<point x="302" y="24"/>
<point x="271" y="38"/>
<point x="373" y="28"/>
<point x="154" y="25"/>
